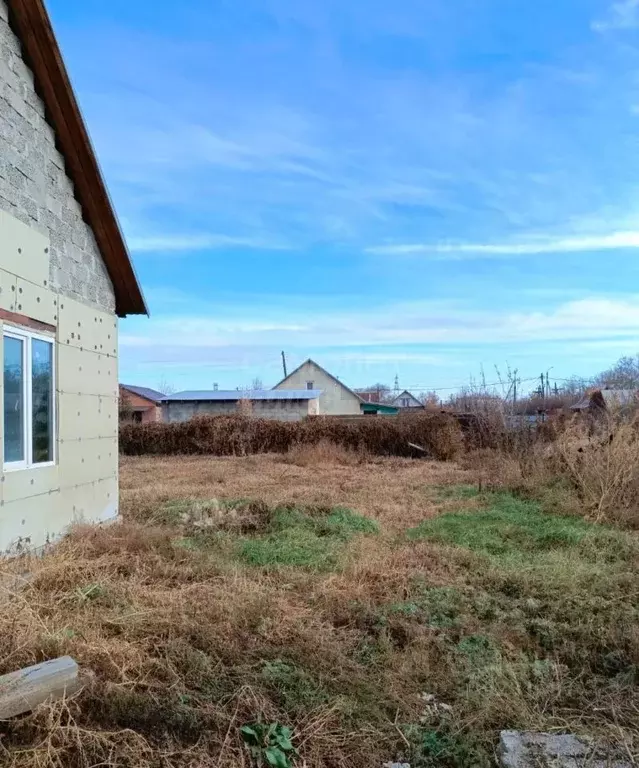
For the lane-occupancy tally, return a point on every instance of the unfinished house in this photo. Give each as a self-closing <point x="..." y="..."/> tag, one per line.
<point x="336" y="398"/>
<point x="65" y="277"/>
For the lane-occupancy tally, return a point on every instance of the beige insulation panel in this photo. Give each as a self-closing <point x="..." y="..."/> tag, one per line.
<point x="90" y="502"/>
<point x="86" y="416"/>
<point x="8" y="286"/>
<point x="84" y="371"/>
<point x="35" y="519"/>
<point x="36" y="302"/>
<point x="87" y="328"/>
<point x="82" y="461"/>
<point x="25" y="483"/>
<point x="25" y="252"/>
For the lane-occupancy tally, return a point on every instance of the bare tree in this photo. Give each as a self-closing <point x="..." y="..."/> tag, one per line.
<point x="125" y="409"/>
<point x="385" y="394"/>
<point x="430" y="399"/>
<point x="166" y="388"/>
<point x="624" y="374"/>
<point x="257" y="383"/>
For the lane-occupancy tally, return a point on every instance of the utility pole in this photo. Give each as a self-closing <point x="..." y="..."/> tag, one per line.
<point x="284" y="364"/>
<point x="396" y="384"/>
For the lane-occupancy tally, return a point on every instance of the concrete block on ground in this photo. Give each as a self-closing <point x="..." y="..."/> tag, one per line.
<point x="25" y="689"/>
<point x="528" y="749"/>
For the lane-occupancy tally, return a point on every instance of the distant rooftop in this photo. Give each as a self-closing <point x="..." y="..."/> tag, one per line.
<point x="236" y="394"/>
<point x="149" y="394"/>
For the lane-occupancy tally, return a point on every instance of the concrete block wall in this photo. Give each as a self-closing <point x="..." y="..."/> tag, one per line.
<point x="282" y="410"/>
<point x="34" y="187"/>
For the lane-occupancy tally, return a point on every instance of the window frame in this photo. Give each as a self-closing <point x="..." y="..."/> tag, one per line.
<point x="27" y="337"/>
<point x="310" y="385"/>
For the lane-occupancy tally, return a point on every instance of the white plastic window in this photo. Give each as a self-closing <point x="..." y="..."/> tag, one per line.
<point x="28" y="438"/>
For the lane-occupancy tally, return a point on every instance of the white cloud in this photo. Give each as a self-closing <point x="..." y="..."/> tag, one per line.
<point x="612" y="241"/>
<point x="254" y="327"/>
<point x="184" y="243"/>
<point x="623" y="15"/>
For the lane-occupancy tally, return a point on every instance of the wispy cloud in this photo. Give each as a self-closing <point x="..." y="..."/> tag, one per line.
<point x="622" y="15"/>
<point x="394" y="324"/>
<point x="195" y="242"/>
<point x="609" y="242"/>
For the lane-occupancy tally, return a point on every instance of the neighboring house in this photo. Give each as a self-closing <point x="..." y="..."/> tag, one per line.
<point x="65" y="276"/>
<point x="370" y="395"/>
<point x="406" y="400"/>
<point x="285" y="405"/>
<point x="336" y="398"/>
<point x="607" y="400"/>
<point x="144" y="403"/>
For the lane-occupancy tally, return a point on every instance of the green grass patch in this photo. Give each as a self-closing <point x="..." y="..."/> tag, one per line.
<point x="508" y="528"/>
<point x="299" y="539"/>
<point x="438" y="607"/>
<point x="295" y="689"/>
<point x="444" y="748"/>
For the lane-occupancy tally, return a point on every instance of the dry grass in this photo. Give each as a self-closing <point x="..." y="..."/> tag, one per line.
<point x="396" y="492"/>
<point x="325" y="453"/>
<point x="241" y="589"/>
<point x="582" y="466"/>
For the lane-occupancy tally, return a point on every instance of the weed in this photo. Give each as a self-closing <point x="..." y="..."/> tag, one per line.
<point x="477" y="649"/>
<point x="269" y="744"/>
<point x="432" y="748"/>
<point x="438" y="607"/>
<point x="293" y="686"/>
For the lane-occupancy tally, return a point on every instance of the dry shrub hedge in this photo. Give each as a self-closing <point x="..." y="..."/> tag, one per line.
<point x="438" y="433"/>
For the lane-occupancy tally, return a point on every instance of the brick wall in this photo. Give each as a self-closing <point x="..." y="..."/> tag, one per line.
<point x="34" y="187"/>
<point x="149" y="410"/>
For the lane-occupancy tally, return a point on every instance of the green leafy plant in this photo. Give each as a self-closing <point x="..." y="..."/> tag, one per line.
<point x="269" y="744"/>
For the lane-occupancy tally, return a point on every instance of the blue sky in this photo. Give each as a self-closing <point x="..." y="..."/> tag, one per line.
<point x="412" y="188"/>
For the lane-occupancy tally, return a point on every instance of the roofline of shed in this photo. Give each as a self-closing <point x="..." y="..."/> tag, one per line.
<point x="31" y="23"/>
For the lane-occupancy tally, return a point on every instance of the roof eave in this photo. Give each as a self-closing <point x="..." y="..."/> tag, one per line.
<point x="30" y="20"/>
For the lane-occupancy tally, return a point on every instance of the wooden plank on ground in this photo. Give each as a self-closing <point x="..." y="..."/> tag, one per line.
<point x="23" y="690"/>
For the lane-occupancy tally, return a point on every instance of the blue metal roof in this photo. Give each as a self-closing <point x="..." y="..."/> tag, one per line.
<point x="236" y="394"/>
<point x="149" y="394"/>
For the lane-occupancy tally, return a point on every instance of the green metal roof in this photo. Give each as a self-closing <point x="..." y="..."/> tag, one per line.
<point x="388" y="410"/>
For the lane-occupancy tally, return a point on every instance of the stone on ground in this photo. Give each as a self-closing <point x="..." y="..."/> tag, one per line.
<point x="527" y="749"/>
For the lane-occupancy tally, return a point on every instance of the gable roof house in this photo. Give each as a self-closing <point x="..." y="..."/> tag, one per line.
<point x="336" y="399"/>
<point x="406" y="400"/>
<point x="144" y="403"/>
<point x="65" y="277"/>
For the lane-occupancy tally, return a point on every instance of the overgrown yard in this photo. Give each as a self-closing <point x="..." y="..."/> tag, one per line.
<point x="379" y="610"/>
